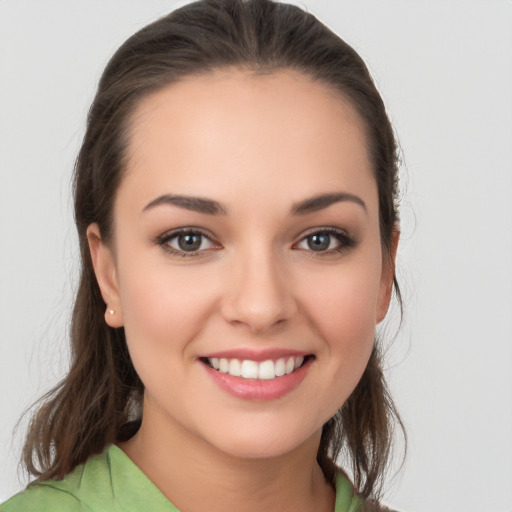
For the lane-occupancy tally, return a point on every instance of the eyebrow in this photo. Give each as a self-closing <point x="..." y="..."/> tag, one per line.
<point x="321" y="201"/>
<point x="195" y="204"/>
<point x="211" y="207"/>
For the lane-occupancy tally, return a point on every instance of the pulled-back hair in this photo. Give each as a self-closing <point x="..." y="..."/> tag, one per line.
<point x="99" y="400"/>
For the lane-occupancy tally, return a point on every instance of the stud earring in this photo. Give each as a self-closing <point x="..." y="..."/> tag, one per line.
<point x="111" y="311"/>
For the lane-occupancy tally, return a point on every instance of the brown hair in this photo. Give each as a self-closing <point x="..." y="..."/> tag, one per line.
<point x="99" y="400"/>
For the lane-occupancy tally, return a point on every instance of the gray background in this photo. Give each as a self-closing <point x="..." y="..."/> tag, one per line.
<point x="444" y="69"/>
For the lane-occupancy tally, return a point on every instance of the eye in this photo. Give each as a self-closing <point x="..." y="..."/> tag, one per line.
<point x="326" y="241"/>
<point x="186" y="242"/>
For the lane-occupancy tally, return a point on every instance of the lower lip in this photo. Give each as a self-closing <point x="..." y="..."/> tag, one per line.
<point x="256" y="389"/>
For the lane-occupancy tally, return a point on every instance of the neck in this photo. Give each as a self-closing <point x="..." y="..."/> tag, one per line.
<point x="196" y="476"/>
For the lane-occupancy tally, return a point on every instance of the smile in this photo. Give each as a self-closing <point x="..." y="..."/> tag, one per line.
<point x="262" y="370"/>
<point x="258" y="376"/>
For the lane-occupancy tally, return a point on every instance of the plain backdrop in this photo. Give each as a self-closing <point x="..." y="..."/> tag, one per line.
<point x="444" y="68"/>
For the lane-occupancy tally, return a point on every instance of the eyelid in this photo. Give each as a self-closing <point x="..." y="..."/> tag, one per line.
<point x="163" y="241"/>
<point x="346" y="241"/>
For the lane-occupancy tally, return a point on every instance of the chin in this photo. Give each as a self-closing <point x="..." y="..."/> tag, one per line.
<point x="266" y="441"/>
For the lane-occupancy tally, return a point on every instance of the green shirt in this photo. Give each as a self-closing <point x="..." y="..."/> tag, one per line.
<point x="111" y="482"/>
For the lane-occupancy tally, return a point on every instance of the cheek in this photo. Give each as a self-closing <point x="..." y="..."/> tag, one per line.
<point x="163" y="309"/>
<point x="343" y="307"/>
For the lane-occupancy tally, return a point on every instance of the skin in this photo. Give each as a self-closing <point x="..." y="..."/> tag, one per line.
<point x="258" y="145"/>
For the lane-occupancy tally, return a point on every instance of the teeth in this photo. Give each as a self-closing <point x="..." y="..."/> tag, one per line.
<point x="249" y="369"/>
<point x="235" y="368"/>
<point x="223" y="365"/>
<point x="280" y="367"/>
<point x="266" y="370"/>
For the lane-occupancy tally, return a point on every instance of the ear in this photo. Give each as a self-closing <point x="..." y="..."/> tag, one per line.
<point x="104" y="265"/>
<point x="387" y="276"/>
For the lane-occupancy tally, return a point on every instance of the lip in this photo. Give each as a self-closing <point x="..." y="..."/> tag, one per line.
<point x="256" y="389"/>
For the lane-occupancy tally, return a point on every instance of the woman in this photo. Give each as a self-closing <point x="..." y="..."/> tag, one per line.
<point x="235" y="203"/>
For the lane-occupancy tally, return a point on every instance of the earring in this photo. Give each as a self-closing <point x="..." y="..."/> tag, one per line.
<point x="111" y="311"/>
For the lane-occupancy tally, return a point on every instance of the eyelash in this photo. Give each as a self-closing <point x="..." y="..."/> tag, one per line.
<point x="345" y="241"/>
<point x="163" y="241"/>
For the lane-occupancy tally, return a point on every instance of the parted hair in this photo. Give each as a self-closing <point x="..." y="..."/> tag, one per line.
<point x="99" y="400"/>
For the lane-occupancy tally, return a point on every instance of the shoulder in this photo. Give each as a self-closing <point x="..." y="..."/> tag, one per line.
<point x="108" y="481"/>
<point x="76" y="492"/>
<point x="348" y="500"/>
<point x="42" y="498"/>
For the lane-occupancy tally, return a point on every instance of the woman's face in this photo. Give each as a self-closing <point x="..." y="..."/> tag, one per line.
<point x="246" y="263"/>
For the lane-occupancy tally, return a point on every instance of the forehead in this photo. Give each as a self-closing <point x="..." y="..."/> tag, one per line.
<point x="226" y="127"/>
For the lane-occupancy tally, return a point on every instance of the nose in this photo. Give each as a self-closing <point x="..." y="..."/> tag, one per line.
<point x="259" y="294"/>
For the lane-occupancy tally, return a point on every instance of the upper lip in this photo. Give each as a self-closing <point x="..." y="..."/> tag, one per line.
<point x="255" y="355"/>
